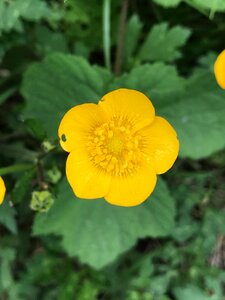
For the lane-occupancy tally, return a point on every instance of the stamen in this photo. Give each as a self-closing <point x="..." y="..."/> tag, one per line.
<point x="113" y="147"/>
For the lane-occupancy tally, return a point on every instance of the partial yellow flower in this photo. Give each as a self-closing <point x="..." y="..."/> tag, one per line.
<point x="219" y="69"/>
<point x="2" y="190"/>
<point x="117" y="147"/>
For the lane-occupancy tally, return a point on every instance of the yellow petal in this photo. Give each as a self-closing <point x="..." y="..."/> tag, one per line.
<point x="161" y="145"/>
<point x="77" y="123"/>
<point x="129" y="104"/>
<point x="134" y="189"/>
<point x="2" y="190"/>
<point x="219" y="69"/>
<point x="86" y="180"/>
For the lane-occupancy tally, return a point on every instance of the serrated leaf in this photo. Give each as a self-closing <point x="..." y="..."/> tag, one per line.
<point x="160" y="82"/>
<point x="168" y="3"/>
<point x="7" y="216"/>
<point x="59" y="83"/>
<point x="97" y="232"/>
<point x="163" y="43"/>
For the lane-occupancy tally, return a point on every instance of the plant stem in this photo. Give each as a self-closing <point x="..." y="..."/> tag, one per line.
<point x="106" y="33"/>
<point x="15" y="168"/>
<point x="121" y="36"/>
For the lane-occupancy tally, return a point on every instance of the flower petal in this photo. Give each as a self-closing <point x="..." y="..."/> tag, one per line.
<point x="86" y="180"/>
<point x="2" y="190"/>
<point x="77" y="123"/>
<point x="219" y="69"/>
<point x="161" y="145"/>
<point x="130" y="104"/>
<point x="132" y="190"/>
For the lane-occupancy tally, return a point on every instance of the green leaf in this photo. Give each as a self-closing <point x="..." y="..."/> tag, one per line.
<point x="22" y="186"/>
<point x="158" y="81"/>
<point x="6" y="94"/>
<point x="214" y="5"/>
<point x="7" y="255"/>
<point x="133" y="30"/>
<point x="167" y="3"/>
<point x="32" y="10"/>
<point x="98" y="232"/>
<point x="59" y="83"/>
<point x="7" y="216"/>
<point x="194" y="293"/>
<point x="198" y="116"/>
<point x="162" y="43"/>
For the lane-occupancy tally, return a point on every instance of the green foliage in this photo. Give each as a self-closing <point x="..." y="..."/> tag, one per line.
<point x="7" y="217"/>
<point x="169" y="248"/>
<point x="162" y="44"/>
<point x="12" y="12"/>
<point x="167" y="3"/>
<point x="50" y="85"/>
<point x="108" y="231"/>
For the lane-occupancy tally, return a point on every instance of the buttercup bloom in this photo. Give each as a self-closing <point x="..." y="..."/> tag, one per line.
<point x="117" y="147"/>
<point x="219" y="69"/>
<point x="2" y="190"/>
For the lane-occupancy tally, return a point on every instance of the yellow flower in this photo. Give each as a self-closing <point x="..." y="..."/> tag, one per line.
<point x="2" y="190"/>
<point x="219" y="69"/>
<point x="117" y="147"/>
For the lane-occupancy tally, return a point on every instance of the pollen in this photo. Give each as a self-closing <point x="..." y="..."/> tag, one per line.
<point x="114" y="148"/>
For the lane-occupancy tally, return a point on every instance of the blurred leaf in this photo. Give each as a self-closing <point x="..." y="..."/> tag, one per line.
<point x="133" y="30"/>
<point x="6" y="94"/>
<point x="168" y="3"/>
<point x="162" y="43"/>
<point x="215" y="5"/>
<point x="11" y="13"/>
<point x="49" y="41"/>
<point x="194" y="293"/>
<point x="56" y="85"/>
<point x="22" y="186"/>
<point x="97" y="232"/>
<point x="7" y="216"/>
<point x="32" y="10"/>
<point x="35" y="128"/>
<point x="7" y="255"/>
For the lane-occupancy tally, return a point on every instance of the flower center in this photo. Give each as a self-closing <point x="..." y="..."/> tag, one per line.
<point x="114" y="148"/>
<point x="115" y="144"/>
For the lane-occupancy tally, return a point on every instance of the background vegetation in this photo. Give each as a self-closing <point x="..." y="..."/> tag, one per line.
<point x="54" y="55"/>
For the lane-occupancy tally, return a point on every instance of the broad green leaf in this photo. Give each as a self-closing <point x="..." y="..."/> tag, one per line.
<point x="158" y="81"/>
<point x="7" y="216"/>
<point x="59" y="83"/>
<point x="97" y="232"/>
<point x="163" y="43"/>
<point x="168" y="3"/>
